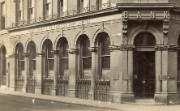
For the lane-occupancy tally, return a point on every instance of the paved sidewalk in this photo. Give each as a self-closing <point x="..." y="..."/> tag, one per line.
<point x="121" y="107"/>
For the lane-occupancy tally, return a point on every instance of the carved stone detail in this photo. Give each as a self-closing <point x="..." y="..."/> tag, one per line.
<point x="114" y="47"/>
<point x="55" y="51"/>
<point x="161" y="47"/>
<point x="26" y="54"/>
<point x="72" y="51"/>
<point x="125" y="26"/>
<point x="39" y="53"/>
<point x="12" y="55"/>
<point x="93" y="49"/>
<point x="126" y="47"/>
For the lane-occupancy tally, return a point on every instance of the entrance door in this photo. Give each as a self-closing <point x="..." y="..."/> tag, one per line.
<point x="144" y="74"/>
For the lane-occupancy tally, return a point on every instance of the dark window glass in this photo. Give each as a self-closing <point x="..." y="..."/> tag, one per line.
<point x="85" y="52"/>
<point x="104" y="42"/>
<point x="63" y="55"/>
<point x="31" y="58"/>
<point x="145" y="39"/>
<point x="19" y="60"/>
<point x="48" y="57"/>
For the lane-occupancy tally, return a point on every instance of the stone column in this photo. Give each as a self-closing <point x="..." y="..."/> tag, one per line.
<point x="116" y="74"/>
<point x="130" y="71"/>
<point x="56" y="64"/>
<point x="72" y="72"/>
<point x="93" y="71"/>
<point x="127" y="60"/>
<point x="11" y="61"/>
<point x="164" y="93"/>
<point x="26" y="71"/>
<point x="158" y="69"/>
<point x="39" y="72"/>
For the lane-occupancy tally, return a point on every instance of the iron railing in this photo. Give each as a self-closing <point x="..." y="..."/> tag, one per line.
<point x="92" y="8"/>
<point x="62" y="86"/>
<point x="3" y="79"/>
<point x="47" y="85"/>
<point x="30" y="86"/>
<point x="82" y="88"/>
<point x="19" y="83"/>
<point x="101" y="90"/>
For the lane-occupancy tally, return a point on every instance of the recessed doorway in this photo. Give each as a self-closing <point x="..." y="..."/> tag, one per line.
<point x="144" y="74"/>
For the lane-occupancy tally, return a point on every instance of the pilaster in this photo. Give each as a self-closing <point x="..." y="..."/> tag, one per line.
<point x="127" y="60"/>
<point x="56" y="62"/>
<point x="72" y="72"/>
<point x="93" y="71"/>
<point x="38" y="73"/>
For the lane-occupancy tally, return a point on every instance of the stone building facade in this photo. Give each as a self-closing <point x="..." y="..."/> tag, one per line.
<point x="107" y="50"/>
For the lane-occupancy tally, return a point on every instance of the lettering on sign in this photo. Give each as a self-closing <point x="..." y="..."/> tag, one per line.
<point x="75" y="23"/>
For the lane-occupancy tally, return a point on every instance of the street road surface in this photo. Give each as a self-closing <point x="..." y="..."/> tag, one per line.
<point x="16" y="103"/>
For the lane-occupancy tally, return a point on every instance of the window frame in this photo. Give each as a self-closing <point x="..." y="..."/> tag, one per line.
<point x="31" y="58"/>
<point x="47" y="8"/>
<point x="19" y="11"/>
<point x="20" y="62"/>
<point x="48" y="58"/>
<point x="31" y="10"/>
<point x="3" y="15"/>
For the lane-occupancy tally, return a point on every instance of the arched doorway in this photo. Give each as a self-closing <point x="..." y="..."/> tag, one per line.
<point x="144" y="66"/>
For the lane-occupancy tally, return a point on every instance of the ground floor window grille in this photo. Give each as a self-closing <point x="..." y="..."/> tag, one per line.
<point x="82" y="88"/>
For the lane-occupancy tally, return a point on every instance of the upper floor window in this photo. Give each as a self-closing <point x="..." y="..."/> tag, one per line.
<point x="47" y="9"/>
<point x="3" y="11"/>
<point x="60" y="6"/>
<point x="102" y="4"/>
<point x="31" y="9"/>
<point x="19" y="9"/>
<point x="83" y="6"/>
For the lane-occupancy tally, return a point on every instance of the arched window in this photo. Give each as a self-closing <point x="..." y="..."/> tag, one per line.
<point x="145" y="39"/>
<point x="104" y="52"/>
<point x="19" y="60"/>
<point x="85" y="55"/>
<point x="31" y="58"/>
<point x="3" y="64"/>
<point x="48" y="59"/>
<point x="63" y="57"/>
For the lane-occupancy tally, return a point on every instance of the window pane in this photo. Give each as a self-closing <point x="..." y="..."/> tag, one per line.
<point x="85" y="44"/>
<point x="22" y="65"/>
<point x="64" y="50"/>
<point x="34" y="64"/>
<point x="51" y="64"/>
<point x="64" y="64"/>
<point x="87" y="62"/>
<point x="105" y="62"/>
<point x="105" y="46"/>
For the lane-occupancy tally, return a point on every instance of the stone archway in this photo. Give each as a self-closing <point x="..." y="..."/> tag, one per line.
<point x="144" y="65"/>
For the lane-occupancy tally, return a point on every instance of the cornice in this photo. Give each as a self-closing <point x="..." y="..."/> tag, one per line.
<point x="65" y="19"/>
<point x="145" y="5"/>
